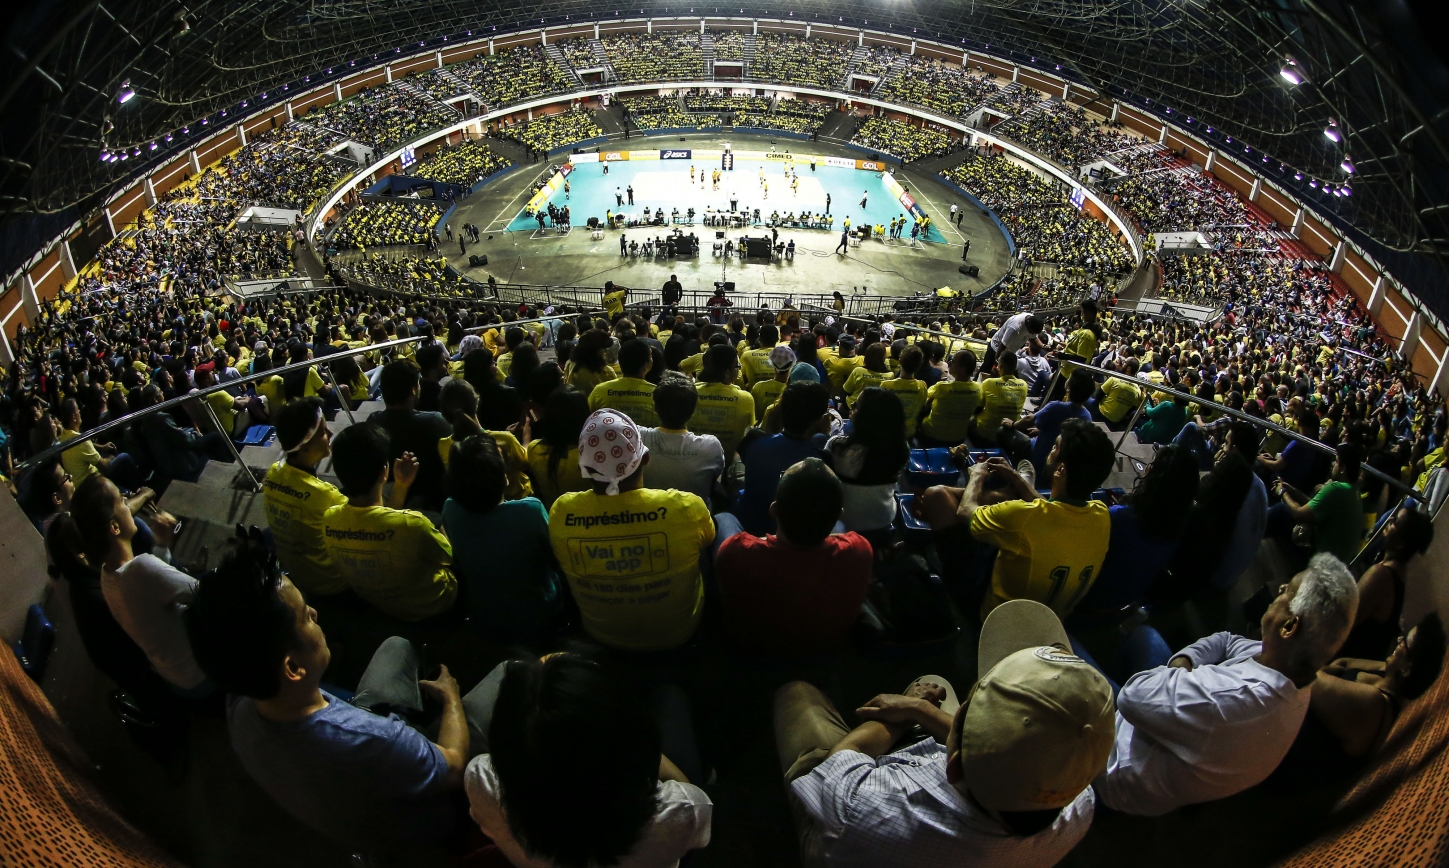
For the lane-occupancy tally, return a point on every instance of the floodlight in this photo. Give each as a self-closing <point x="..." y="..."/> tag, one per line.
<point x="1331" y="132"/>
<point x="1347" y="165"/>
<point x="1292" y="72"/>
<point x="126" y="93"/>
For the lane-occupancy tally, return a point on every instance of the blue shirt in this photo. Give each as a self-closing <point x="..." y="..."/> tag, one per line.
<point x="505" y="565"/>
<point x="1048" y="423"/>
<point x="765" y="460"/>
<point x="1133" y="562"/>
<point x="364" y="780"/>
<point x="1299" y="463"/>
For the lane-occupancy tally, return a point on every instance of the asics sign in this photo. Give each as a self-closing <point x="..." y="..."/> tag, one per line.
<point x="674" y="155"/>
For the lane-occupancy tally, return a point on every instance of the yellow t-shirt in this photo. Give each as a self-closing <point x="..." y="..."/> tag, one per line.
<point x="724" y="411"/>
<point x="860" y="379"/>
<point x="913" y="397"/>
<point x="1081" y="343"/>
<point x="503" y="365"/>
<point x="82" y="460"/>
<point x="314" y="383"/>
<point x="271" y="389"/>
<point x="224" y="405"/>
<point x="632" y="561"/>
<point x="756" y="365"/>
<point x="614" y="303"/>
<point x="570" y="477"/>
<point x="765" y="393"/>
<point x="392" y="558"/>
<point x="296" y="501"/>
<point x="585" y="380"/>
<point x="838" y="370"/>
<point x="629" y="395"/>
<point x="1119" y="397"/>
<point x="953" y="406"/>
<point x="1001" y="399"/>
<point x="1049" y="551"/>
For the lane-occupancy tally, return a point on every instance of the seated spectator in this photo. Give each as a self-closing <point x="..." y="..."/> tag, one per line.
<point x="907" y="386"/>
<point x="587" y="366"/>
<point x="1002" y="398"/>
<point x="1012" y="336"/>
<point x="799" y="591"/>
<point x="1332" y="517"/>
<point x="758" y="364"/>
<point x="1146" y="529"/>
<point x="1297" y="463"/>
<point x="951" y="405"/>
<point x="630" y="393"/>
<point x="677" y="458"/>
<point x="1164" y="420"/>
<point x="1220" y="715"/>
<point x="175" y="452"/>
<point x="766" y="392"/>
<point x="873" y="371"/>
<point x="233" y="413"/>
<point x="358" y="773"/>
<point x="869" y="460"/>
<point x="1047" y="423"/>
<point x="432" y="362"/>
<point x="391" y="557"/>
<point x="565" y="718"/>
<point x="499" y="406"/>
<point x="982" y="788"/>
<point x="296" y="499"/>
<point x="1119" y="397"/>
<point x="724" y="410"/>
<point x="1050" y="549"/>
<point x="82" y="460"/>
<point x="804" y="412"/>
<point x="631" y="554"/>
<point x="411" y="430"/>
<point x="459" y="405"/>
<point x="510" y="585"/>
<point x="1407" y="533"/>
<point x="1355" y="703"/>
<point x="46" y="492"/>
<point x="553" y="458"/>
<point x="145" y="594"/>
<point x="842" y="364"/>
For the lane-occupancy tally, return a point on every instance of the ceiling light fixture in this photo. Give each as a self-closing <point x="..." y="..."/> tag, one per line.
<point x="1331" y="132"/>
<point x="1292" y="72"/>
<point x="126" y="93"/>
<point x="1347" y="165"/>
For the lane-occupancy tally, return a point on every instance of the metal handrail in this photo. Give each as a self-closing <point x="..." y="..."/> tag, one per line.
<point x="179" y="400"/>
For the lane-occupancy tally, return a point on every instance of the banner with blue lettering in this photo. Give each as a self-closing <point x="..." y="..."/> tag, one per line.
<point x="675" y="154"/>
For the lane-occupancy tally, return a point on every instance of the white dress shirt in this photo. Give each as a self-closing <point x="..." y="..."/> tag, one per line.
<point x="1193" y="736"/>
<point x="1012" y="335"/>
<point x="899" y="810"/>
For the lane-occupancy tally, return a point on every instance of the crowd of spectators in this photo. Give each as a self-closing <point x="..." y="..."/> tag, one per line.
<point x="510" y="76"/>
<point x="285" y="168"/>
<point x="779" y="121"/>
<point x="578" y="53"/>
<point x="728" y="44"/>
<point x="1023" y="290"/>
<point x="385" y="116"/>
<point x="382" y="224"/>
<point x="720" y="103"/>
<point x="904" y="141"/>
<point x="937" y="85"/>
<point x="655" y="57"/>
<point x="803" y="107"/>
<point x="418" y="275"/>
<point x="876" y="61"/>
<point x="1064" y="133"/>
<point x="791" y="59"/>
<point x="464" y="164"/>
<point x="1002" y="183"/>
<point x="553" y="131"/>
<point x="1064" y="234"/>
<point x="1014" y="99"/>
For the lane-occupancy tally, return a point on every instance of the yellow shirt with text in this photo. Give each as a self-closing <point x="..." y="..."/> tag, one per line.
<point x="392" y="558"/>
<point x="296" y="501"/>
<point x="953" y="406"/>
<point x="1050" y="551"/>
<point x="860" y="379"/>
<point x="632" y="561"/>
<point x="1001" y="399"/>
<point x="766" y="393"/>
<point x="913" y="397"/>
<point x="724" y="411"/>
<point x="632" y="396"/>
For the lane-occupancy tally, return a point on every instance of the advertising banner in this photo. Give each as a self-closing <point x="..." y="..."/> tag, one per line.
<point x="675" y="154"/>
<point x="707" y="153"/>
<point x="840" y="162"/>
<point x="870" y="165"/>
<point x="613" y="156"/>
<point x="548" y="189"/>
<point x="749" y="155"/>
<point x="643" y="155"/>
<point x="900" y="193"/>
<point x="583" y="158"/>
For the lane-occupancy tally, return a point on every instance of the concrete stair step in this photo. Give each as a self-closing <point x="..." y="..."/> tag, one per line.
<point x="202" y="544"/>
<point x="191" y="501"/>
<point x="219" y="475"/>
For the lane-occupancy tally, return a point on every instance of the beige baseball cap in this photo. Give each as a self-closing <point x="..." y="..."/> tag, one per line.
<point x="1040" y="723"/>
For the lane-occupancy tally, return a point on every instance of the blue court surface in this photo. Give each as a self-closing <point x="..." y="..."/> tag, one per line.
<point x="666" y="184"/>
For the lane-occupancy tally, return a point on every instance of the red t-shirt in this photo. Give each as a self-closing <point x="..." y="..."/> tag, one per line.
<point x="788" y="601"/>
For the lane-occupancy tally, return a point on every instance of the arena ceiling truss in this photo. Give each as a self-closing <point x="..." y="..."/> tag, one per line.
<point x="1218" y="63"/>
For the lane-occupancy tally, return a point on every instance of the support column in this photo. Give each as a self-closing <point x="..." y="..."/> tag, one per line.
<point x="241" y="134"/>
<point x="7" y="355"/>
<point x="1116" y="107"/>
<point x="290" y="116"/>
<point x="701" y="27"/>
<point x="490" y="42"/>
<point x="913" y="47"/>
<point x="1211" y="162"/>
<point x="195" y="166"/>
<point x="649" y="26"/>
<point x="1066" y="90"/>
<point x="1256" y="191"/>
<point x="530" y="114"/>
<point x="28" y="300"/>
<point x="543" y="36"/>
<point x="1439" y="384"/>
<point x="596" y="36"/>
<point x="1411" y="337"/>
<point x="67" y="260"/>
<point x="439" y="56"/>
<point x="965" y="60"/>
<point x="337" y="90"/>
<point x="1162" y="136"/>
<point x="1297" y="230"/>
<point x="755" y="27"/>
<point x="150" y="193"/>
<point x="807" y="30"/>
<point x="1015" y="72"/>
<point x="1335" y="264"/>
<point x="1376" y="297"/>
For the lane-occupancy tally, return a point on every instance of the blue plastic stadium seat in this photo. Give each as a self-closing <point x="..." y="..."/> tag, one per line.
<point x="36" y="642"/>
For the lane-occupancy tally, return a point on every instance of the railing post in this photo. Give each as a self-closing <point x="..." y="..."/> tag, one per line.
<point x="346" y="404"/>
<point x="1136" y="414"/>
<point x="235" y="453"/>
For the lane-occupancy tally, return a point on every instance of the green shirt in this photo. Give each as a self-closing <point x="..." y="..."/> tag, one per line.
<point x="1337" y="520"/>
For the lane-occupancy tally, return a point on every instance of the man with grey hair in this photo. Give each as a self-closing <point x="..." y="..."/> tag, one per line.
<point x="1219" y="717"/>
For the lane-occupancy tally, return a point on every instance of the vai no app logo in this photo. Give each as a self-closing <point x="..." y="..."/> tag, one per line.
<point x="674" y="155"/>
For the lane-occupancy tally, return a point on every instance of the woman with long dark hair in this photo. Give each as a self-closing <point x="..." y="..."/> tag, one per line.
<point x="588" y="366"/>
<point x="869" y="460"/>
<point x="1147" y="527"/>
<point x="553" y="456"/>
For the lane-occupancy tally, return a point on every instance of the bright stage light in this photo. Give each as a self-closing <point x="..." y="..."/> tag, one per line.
<point x="1331" y="132"/>
<point x="126" y="93"/>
